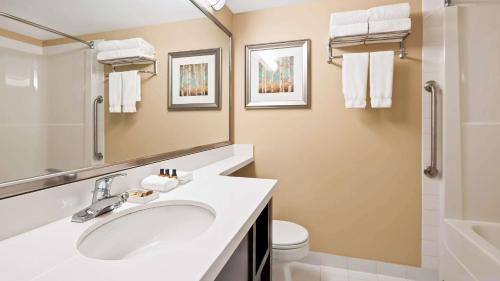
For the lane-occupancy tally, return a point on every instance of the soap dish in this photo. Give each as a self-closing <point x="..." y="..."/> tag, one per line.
<point x="142" y="196"/>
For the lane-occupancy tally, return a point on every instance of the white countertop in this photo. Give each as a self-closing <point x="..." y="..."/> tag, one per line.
<point x="49" y="253"/>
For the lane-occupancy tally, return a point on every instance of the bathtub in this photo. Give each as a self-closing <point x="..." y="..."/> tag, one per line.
<point x="476" y="247"/>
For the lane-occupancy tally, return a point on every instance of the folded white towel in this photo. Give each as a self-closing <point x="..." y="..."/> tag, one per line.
<point x="389" y="12"/>
<point x="348" y="29"/>
<point x="184" y="177"/>
<point x="381" y="77"/>
<point x="130" y="90"/>
<point x="115" y="92"/>
<point x="131" y="43"/>
<point x="126" y="53"/>
<point x="355" y="79"/>
<point x="390" y="25"/>
<point x="350" y="17"/>
<point x="158" y="183"/>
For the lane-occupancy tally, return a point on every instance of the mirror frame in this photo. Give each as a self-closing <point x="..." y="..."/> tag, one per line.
<point x="28" y="185"/>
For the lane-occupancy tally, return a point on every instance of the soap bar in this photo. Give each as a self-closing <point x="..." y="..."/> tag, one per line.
<point x="142" y="196"/>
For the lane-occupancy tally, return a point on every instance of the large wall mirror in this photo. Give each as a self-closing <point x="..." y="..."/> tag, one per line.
<point x="147" y="79"/>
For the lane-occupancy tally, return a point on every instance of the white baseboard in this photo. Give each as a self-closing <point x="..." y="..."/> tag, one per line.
<point x="371" y="266"/>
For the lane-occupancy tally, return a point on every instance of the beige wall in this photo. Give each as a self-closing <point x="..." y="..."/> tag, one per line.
<point x="153" y="129"/>
<point x="352" y="177"/>
<point x="20" y="37"/>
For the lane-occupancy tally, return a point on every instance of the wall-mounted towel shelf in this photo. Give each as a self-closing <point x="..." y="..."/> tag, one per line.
<point x="371" y="38"/>
<point x="133" y="61"/>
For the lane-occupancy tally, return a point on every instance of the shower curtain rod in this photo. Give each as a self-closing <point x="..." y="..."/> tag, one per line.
<point x="448" y="3"/>
<point x="90" y="44"/>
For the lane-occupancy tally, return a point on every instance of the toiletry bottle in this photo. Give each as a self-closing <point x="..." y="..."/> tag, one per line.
<point x="174" y="174"/>
<point x="162" y="173"/>
<point x="167" y="173"/>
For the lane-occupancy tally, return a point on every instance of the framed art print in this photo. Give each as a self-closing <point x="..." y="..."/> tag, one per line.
<point x="277" y="75"/>
<point x="194" y="80"/>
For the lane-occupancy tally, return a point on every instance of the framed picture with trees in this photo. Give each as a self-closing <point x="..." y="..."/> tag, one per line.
<point x="277" y="75"/>
<point x="194" y="79"/>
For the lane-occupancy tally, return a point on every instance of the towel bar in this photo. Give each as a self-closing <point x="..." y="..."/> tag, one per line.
<point x="371" y="38"/>
<point x="132" y="61"/>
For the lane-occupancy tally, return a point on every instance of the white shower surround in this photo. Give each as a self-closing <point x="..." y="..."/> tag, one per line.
<point x="40" y="125"/>
<point x="432" y="189"/>
<point x="471" y="133"/>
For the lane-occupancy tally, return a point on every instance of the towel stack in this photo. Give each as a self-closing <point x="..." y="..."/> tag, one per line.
<point x="349" y="23"/>
<point x="118" y="49"/>
<point x="159" y="183"/>
<point x="389" y="18"/>
<point x="124" y="87"/>
<point x="166" y="183"/>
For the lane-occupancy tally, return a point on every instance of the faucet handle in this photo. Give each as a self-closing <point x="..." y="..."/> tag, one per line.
<point x="112" y="176"/>
<point x="104" y="184"/>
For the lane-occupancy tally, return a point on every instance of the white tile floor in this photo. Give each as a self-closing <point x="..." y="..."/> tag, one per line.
<point x="309" y="272"/>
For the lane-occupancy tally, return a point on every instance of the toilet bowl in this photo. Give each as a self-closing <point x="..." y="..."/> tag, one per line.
<point x="290" y="243"/>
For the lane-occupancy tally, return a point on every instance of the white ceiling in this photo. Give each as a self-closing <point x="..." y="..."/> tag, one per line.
<point x="77" y="17"/>
<point x="240" y="6"/>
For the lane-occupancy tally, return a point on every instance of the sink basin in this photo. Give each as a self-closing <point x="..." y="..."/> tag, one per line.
<point x="489" y="232"/>
<point x="146" y="230"/>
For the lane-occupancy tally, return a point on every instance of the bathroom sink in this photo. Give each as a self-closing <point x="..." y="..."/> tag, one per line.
<point x="146" y="230"/>
<point x="489" y="232"/>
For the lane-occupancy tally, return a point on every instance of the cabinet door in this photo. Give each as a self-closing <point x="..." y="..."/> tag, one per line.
<point x="238" y="268"/>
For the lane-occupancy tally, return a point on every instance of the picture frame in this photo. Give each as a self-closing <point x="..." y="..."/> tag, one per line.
<point x="194" y="80"/>
<point x="277" y="75"/>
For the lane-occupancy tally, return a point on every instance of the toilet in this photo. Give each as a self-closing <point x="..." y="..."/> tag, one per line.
<point x="290" y="243"/>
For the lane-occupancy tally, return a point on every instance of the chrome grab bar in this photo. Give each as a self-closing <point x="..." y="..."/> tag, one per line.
<point x="97" y="155"/>
<point x="431" y="171"/>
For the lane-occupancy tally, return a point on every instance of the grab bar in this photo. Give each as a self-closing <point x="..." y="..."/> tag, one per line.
<point x="97" y="155"/>
<point x="431" y="171"/>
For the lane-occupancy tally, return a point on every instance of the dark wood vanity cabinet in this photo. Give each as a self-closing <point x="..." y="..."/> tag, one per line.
<point x="252" y="260"/>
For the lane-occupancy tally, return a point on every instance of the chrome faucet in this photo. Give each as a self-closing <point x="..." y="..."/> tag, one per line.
<point x="102" y="201"/>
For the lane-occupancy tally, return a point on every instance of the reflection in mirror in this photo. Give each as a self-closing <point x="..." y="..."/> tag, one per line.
<point x="65" y="106"/>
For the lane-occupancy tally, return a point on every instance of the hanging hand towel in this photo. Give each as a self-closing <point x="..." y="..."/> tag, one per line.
<point x="350" y="17"/>
<point x="354" y="79"/>
<point x="115" y="92"/>
<point x="130" y="90"/>
<point x="381" y="77"/>
<point x="389" y="12"/>
<point x="138" y="87"/>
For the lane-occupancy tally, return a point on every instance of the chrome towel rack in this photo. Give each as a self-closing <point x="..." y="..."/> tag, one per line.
<point x="370" y="38"/>
<point x="90" y="44"/>
<point x="431" y="171"/>
<point x="132" y="61"/>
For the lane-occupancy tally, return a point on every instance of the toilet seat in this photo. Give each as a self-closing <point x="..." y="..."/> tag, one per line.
<point x="289" y="236"/>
